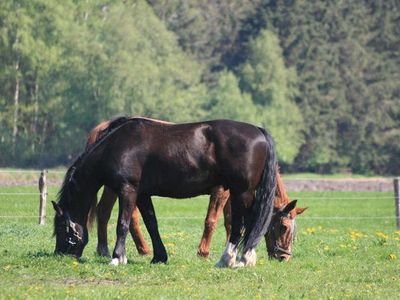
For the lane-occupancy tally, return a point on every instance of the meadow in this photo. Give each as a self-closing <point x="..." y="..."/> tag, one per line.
<point x="346" y="247"/>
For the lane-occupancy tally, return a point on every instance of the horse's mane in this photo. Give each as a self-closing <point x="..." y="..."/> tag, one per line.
<point x="282" y="197"/>
<point x="69" y="184"/>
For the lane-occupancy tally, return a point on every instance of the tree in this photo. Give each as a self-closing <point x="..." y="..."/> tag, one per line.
<point x="273" y="88"/>
<point x="228" y="102"/>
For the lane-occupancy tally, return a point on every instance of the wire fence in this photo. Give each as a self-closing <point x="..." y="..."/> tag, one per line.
<point x="44" y="194"/>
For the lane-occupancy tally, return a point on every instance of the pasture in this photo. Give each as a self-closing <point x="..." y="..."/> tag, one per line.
<point x="346" y="247"/>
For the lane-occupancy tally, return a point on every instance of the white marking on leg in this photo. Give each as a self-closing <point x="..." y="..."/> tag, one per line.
<point x="228" y="258"/>
<point x="248" y="259"/>
<point x="123" y="260"/>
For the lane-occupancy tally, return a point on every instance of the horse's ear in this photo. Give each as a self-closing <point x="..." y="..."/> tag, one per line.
<point x="289" y="207"/>
<point x="57" y="208"/>
<point x="300" y="210"/>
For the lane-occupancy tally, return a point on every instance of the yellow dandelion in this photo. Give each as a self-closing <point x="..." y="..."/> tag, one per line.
<point x="382" y="235"/>
<point x="392" y="256"/>
<point x="310" y="230"/>
<point x="6" y="268"/>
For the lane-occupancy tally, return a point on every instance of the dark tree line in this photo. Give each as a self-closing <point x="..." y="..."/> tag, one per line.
<point x="323" y="76"/>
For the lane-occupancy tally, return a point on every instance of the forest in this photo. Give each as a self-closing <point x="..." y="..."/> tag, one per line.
<point x="322" y="76"/>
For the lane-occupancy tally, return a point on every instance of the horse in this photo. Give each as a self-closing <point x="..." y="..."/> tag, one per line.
<point x="279" y="242"/>
<point x="138" y="158"/>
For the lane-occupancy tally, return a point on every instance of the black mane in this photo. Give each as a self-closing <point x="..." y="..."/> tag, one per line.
<point x="69" y="184"/>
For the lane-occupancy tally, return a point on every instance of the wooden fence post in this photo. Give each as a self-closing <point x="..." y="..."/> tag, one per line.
<point x="43" y="197"/>
<point x="396" y="185"/>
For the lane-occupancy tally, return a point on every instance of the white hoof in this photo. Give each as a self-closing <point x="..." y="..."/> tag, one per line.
<point x="114" y="262"/>
<point x="123" y="260"/>
<point x="248" y="259"/>
<point x="228" y="258"/>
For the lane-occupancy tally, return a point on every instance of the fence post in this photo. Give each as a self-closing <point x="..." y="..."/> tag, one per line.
<point x="396" y="185"/>
<point x="43" y="197"/>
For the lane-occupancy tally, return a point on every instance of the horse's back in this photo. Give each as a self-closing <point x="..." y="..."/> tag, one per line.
<point x="184" y="160"/>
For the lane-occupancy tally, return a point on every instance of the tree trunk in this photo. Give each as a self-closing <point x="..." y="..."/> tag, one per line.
<point x="16" y="108"/>
<point x="35" y="98"/>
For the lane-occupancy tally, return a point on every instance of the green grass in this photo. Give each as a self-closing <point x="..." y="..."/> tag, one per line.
<point x="333" y="257"/>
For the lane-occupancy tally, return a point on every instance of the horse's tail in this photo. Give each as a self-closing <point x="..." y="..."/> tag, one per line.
<point x="264" y="198"/>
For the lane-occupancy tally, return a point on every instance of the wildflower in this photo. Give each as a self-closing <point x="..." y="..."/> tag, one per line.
<point x="310" y="230"/>
<point x="392" y="256"/>
<point x="382" y="235"/>
<point x="355" y="235"/>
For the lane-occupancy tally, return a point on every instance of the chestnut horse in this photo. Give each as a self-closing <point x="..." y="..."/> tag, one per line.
<point x="137" y="158"/>
<point x="278" y="243"/>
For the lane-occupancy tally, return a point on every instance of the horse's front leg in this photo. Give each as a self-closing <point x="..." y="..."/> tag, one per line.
<point x="149" y="217"/>
<point x="218" y="198"/>
<point x="127" y="202"/>
<point x="104" y="209"/>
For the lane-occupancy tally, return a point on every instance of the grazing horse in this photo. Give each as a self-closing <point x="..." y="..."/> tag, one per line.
<point x="279" y="242"/>
<point x="137" y="158"/>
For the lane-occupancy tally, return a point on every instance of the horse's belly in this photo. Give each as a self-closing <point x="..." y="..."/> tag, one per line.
<point x="183" y="187"/>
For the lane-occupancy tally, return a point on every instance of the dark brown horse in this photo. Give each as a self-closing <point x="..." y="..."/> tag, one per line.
<point x="279" y="242"/>
<point x="137" y="158"/>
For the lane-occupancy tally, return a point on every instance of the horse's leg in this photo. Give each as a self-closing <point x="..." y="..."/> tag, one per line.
<point x="228" y="218"/>
<point x="239" y="202"/>
<point x="149" y="217"/>
<point x="137" y="234"/>
<point x="104" y="209"/>
<point x="218" y="198"/>
<point x="127" y="202"/>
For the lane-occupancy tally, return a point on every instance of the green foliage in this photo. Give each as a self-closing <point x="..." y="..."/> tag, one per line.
<point x="331" y="69"/>
<point x="273" y="88"/>
<point x="347" y="66"/>
<point x="228" y="102"/>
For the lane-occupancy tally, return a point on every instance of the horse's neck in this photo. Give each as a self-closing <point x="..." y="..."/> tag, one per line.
<point x="282" y="198"/>
<point x="84" y="195"/>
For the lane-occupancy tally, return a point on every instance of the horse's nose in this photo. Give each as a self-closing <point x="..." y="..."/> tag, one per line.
<point x="283" y="257"/>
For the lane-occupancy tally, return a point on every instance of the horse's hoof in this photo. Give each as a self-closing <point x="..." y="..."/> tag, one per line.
<point x="123" y="260"/>
<point x="144" y="251"/>
<point x="203" y="254"/>
<point x="156" y="260"/>
<point x="228" y="258"/>
<point x="248" y="259"/>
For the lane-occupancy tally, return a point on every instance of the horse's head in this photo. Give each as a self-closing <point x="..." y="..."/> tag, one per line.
<point x="282" y="231"/>
<point x="71" y="237"/>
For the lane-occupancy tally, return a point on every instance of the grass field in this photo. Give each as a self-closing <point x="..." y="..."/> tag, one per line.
<point x="340" y="253"/>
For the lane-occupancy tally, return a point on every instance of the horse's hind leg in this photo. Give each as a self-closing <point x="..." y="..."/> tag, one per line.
<point x="228" y="218"/>
<point x="149" y="217"/>
<point x="218" y="198"/>
<point x="239" y="210"/>
<point x="104" y="209"/>
<point x="127" y="202"/>
<point x="137" y="234"/>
